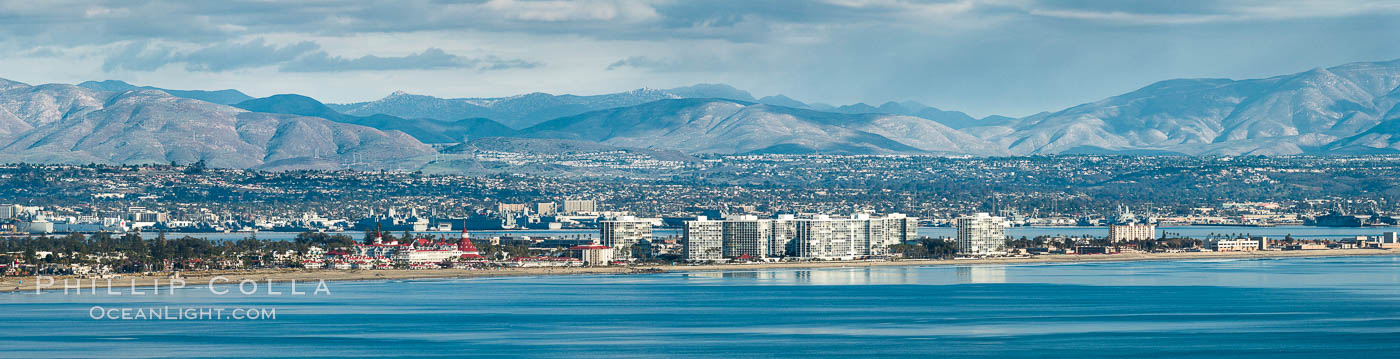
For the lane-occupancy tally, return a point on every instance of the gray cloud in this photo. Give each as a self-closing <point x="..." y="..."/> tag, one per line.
<point x="139" y="56"/>
<point x="70" y="22"/>
<point x="641" y="62"/>
<point x="233" y="55"/>
<point x="44" y="51"/>
<point x="304" y="56"/>
<point x="709" y="61"/>
<point x="429" y="59"/>
<point x="1205" y="11"/>
<point x="495" y="63"/>
<point x="82" y="22"/>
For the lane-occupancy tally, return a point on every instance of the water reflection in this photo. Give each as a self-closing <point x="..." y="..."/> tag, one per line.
<point x="982" y="274"/>
<point x="819" y="276"/>
<point x="750" y="275"/>
<point x="1373" y="274"/>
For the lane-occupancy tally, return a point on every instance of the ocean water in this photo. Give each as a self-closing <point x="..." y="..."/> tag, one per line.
<point x="1263" y="308"/>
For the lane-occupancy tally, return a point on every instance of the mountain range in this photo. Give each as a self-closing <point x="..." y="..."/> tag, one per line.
<point x="58" y="123"/>
<point x="529" y="109"/>
<point x="1320" y="111"/>
<point x="424" y="129"/>
<point x="732" y="126"/>
<point x="222" y="97"/>
<point x="1347" y="109"/>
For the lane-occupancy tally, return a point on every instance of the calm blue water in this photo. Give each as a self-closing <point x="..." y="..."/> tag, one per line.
<point x="1299" y="232"/>
<point x="1299" y="308"/>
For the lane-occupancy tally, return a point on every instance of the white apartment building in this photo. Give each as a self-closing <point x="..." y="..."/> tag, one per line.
<point x="981" y="234"/>
<point x="823" y="237"/>
<point x="702" y="240"/>
<point x="747" y="236"/>
<point x="143" y="215"/>
<point x="1126" y="226"/>
<point x="593" y="255"/>
<point x="8" y="211"/>
<point x="892" y="229"/>
<point x="784" y="236"/>
<point x="510" y="207"/>
<point x="1124" y="232"/>
<point x="545" y="208"/>
<point x="622" y="233"/>
<point x="814" y="237"/>
<point x="580" y="206"/>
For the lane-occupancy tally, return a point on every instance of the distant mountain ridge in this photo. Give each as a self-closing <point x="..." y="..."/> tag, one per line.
<point x="57" y="123"/>
<point x="529" y="109"/>
<point x="222" y="97"/>
<point x="1347" y="109"/>
<point x="1307" y="112"/>
<point x="731" y="126"/>
<point x="425" y="130"/>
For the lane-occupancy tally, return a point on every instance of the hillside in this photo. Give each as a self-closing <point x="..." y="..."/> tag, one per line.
<point x="728" y="126"/>
<point x="529" y="109"/>
<point x="425" y="130"/>
<point x="222" y="97"/>
<point x="71" y="124"/>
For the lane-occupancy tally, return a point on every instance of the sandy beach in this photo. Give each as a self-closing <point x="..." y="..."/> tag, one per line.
<point x="11" y="284"/>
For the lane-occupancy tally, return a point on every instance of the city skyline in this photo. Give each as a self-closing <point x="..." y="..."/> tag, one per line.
<point x="699" y="178"/>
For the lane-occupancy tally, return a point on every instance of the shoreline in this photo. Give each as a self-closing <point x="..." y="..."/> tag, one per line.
<point x="12" y="284"/>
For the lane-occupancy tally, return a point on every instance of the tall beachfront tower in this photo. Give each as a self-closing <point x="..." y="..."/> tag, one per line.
<point x="824" y="237"/>
<point x="981" y="234"/>
<point x="703" y="240"/>
<point x="747" y="236"/>
<point x="1126" y="227"/>
<point x="622" y="233"/>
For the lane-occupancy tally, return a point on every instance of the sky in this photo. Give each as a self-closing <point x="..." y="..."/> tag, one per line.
<point x="1004" y="57"/>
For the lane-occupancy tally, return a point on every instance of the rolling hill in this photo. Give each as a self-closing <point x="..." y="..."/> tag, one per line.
<point x="71" y="124"/>
<point x="423" y="129"/>
<point x="1347" y="109"/>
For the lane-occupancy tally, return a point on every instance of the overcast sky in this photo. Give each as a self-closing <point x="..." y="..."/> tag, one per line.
<point x="1009" y="57"/>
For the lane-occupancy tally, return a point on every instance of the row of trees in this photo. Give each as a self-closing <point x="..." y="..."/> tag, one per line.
<point x="938" y="248"/>
<point x="927" y="248"/>
<point x="132" y="253"/>
<point x="1165" y="242"/>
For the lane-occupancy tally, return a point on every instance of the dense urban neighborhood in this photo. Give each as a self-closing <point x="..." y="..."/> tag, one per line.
<point x="110" y="219"/>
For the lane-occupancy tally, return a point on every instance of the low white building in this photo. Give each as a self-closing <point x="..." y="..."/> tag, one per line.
<point x="1236" y="244"/>
<point x="593" y="254"/>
